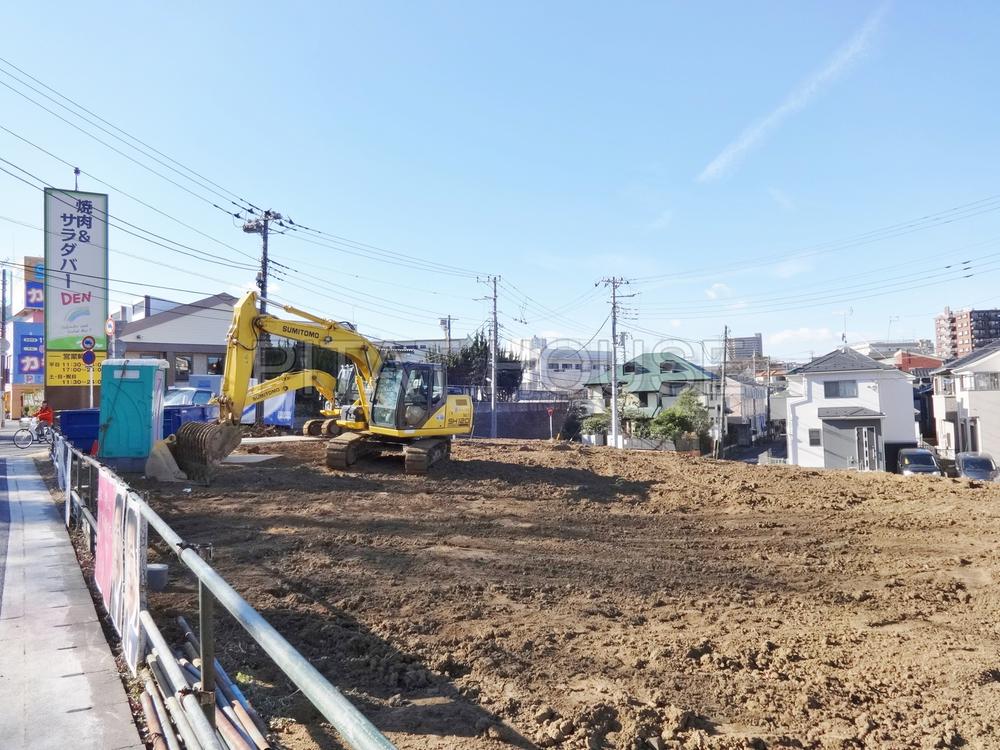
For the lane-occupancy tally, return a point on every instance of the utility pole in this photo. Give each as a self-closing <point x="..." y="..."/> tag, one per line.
<point x="261" y="226"/>
<point x="614" y="282"/>
<point x="494" y="349"/>
<point x="720" y="445"/>
<point x="446" y="325"/>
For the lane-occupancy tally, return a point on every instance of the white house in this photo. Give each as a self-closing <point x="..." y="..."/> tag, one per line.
<point x="847" y="411"/>
<point x="966" y="403"/>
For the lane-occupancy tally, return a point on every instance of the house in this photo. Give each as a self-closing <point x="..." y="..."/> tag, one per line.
<point x="746" y="410"/>
<point x="966" y="402"/>
<point x="649" y="383"/>
<point x="847" y="411"/>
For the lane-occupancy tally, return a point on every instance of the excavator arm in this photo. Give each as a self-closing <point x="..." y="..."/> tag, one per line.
<point x="200" y="446"/>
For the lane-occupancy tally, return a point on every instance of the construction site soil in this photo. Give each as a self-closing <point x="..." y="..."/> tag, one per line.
<point x="553" y="595"/>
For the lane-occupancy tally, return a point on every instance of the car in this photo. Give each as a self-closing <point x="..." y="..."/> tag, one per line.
<point x="187" y="397"/>
<point x="977" y="466"/>
<point x="918" y="461"/>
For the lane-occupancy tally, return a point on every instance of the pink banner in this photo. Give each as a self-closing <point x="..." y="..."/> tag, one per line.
<point x="104" y="557"/>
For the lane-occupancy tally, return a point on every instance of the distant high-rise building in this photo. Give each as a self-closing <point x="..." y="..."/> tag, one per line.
<point x="960" y="332"/>
<point x="746" y="347"/>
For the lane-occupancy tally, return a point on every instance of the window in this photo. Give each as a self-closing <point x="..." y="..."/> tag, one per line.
<point x="987" y="381"/>
<point x="578" y="367"/>
<point x="840" y="389"/>
<point x="814" y="437"/>
<point x="202" y="397"/>
<point x="182" y="368"/>
<point x="553" y="365"/>
<point x="216" y="364"/>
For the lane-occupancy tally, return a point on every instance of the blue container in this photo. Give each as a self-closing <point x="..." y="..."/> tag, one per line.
<point x="80" y="427"/>
<point x="131" y="410"/>
<point x="175" y="416"/>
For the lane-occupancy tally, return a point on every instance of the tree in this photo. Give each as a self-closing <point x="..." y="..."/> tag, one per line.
<point x="471" y="366"/>
<point x="687" y="416"/>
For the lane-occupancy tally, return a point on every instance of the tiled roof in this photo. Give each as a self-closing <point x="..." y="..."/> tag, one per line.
<point x="840" y="360"/>
<point x="968" y="359"/>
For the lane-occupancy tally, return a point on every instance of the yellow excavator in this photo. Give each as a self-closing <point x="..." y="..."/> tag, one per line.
<point x="393" y="406"/>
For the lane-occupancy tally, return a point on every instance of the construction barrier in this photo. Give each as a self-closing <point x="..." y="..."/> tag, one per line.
<point x="117" y="535"/>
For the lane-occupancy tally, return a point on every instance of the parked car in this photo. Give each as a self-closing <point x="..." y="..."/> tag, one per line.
<point x="977" y="466"/>
<point x="918" y="461"/>
<point x="187" y="397"/>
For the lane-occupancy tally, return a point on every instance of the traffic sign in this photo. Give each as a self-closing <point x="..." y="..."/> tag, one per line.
<point x="88" y="342"/>
<point x="551" y="411"/>
<point x="109" y="326"/>
<point x="89" y="357"/>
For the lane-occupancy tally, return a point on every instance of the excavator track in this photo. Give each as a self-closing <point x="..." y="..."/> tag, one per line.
<point x="201" y="446"/>
<point x="344" y="450"/>
<point x="330" y="428"/>
<point x="420" y="455"/>
<point x="313" y="427"/>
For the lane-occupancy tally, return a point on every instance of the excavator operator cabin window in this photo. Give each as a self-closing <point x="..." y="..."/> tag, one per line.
<point x="437" y="392"/>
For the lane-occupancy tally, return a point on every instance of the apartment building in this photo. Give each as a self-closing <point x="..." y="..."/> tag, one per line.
<point x="961" y="332"/>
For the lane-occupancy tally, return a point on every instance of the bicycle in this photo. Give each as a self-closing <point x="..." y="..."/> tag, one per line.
<point x="38" y="431"/>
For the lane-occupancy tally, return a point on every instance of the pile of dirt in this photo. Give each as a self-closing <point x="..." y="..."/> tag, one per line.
<point x="564" y="596"/>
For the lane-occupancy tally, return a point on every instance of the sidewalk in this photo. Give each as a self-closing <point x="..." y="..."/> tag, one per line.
<point x="59" y="686"/>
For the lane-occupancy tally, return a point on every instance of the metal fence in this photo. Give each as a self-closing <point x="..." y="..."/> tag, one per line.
<point x="78" y="475"/>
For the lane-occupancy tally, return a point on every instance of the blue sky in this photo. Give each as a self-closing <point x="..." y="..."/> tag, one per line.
<point x="728" y="150"/>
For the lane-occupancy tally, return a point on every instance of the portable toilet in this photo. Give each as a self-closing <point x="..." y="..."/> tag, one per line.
<point x="131" y="411"/>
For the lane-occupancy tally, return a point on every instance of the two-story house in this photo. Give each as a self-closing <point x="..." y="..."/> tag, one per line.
<point x="649" y="382"/>
<point x="966" y="402"/>
<point x="847" y="411"/>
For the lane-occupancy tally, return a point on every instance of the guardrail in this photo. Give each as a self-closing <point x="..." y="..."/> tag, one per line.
<point x="78" y="478"/>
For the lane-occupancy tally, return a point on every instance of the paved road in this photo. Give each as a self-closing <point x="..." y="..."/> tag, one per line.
<point x="59" y="686"/>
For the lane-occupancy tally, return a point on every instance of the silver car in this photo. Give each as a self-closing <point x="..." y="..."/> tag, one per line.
<point x="918" y="461"/>
<point x="977" y="466"/>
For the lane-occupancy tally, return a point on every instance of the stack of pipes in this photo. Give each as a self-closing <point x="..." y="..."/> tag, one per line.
<point x="174" y="716"/>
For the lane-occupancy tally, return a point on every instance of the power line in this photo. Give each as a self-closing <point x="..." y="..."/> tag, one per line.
<point x="948" y="216"/>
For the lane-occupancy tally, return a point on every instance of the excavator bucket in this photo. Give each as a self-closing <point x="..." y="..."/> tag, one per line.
<point x="201" y="446"/>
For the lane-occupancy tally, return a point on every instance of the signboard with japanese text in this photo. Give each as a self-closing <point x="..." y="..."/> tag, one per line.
<point x="34" y="283"/>
<point x="67" y="368"/>
<point x="76" y="271"/>
<point x="29" y="354"/>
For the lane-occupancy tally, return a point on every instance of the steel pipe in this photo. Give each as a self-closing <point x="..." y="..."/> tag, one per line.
<point x="152" y="723"/>
<point x="161" y="714"/>
<point x="176" y="712"/>
<point x="229" y="687"/>
<point x="199" y="723"/>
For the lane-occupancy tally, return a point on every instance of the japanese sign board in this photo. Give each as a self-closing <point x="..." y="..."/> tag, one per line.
<point x="67" y="368"/>
<point x="34" y="283"/>
<point x="76" y="271"/>
<point x="29" y="354"/>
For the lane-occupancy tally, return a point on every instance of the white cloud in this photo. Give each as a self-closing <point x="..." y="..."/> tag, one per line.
<point x="798" y="99"/>
<point x="662" y="221"/>
<point x="675" y="323"/>
<point x="781" y="198"/>
<point x="739" y="305"/>
<point x="718" y="290"/>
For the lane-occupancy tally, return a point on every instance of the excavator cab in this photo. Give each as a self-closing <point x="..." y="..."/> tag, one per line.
<point x="408" y="395"/>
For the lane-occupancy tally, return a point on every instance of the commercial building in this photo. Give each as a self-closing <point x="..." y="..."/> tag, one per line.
<point x="961" y="332"/>
<point x="24" y="360"/>
<point x="887" y="349"/>
<point x="560" y="367"/>
<point x="742" y="348"/>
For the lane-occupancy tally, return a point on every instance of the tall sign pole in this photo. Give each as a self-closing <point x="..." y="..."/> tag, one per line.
<point x="614" y="282"/>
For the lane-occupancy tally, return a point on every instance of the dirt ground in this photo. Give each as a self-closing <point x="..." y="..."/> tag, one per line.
<point x="559" y="596"/>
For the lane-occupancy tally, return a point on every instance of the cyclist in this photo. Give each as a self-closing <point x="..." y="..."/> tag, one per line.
<point x="45" y="417"/>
